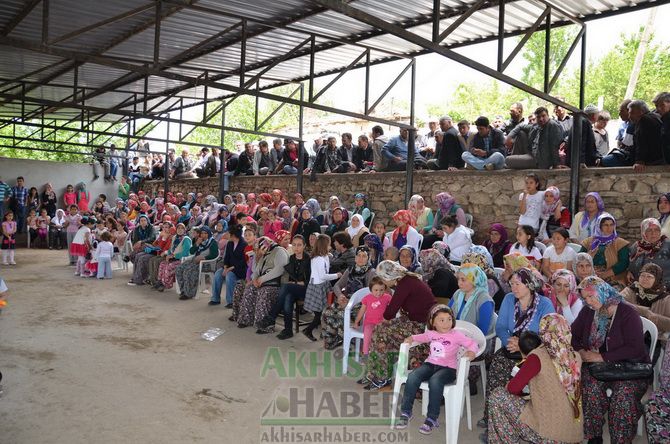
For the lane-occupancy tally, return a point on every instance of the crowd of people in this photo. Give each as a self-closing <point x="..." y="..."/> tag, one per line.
<point x="567" y="293"/>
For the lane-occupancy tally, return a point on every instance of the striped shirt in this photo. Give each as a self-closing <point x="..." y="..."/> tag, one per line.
<point x="5" y="191"/>
<point x="21" y="195"/>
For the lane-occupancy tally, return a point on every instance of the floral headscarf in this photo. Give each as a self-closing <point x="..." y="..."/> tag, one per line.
<point x="522" y="320"/>
<point x="548" y="210"/>
<point x="443" y="248"/>
<point x="646" y="297"/>
<point x="582" y="257"/>
<point x="644" y="247"/>
<point x="265" y="244"/>
<point x="281" y="236"/>
<point x="445" y="201"/>
<point x="516" y="261"/>
<point x="205" y="245"/>
<point x="598" y="238"/>
<point x="478" y="278"/>
<point x="412" y="251"/>
<point x="393" y="271"/>
<point x="313" y="206"/>
<point x="405" y="217"/>
<point x="362" y="196"/>
<point x="358" y="274"/>
<point x="569" y="276"/>
<point x="608" y="296"/>
<point x="481" y="257"/>
<point x="556" y="336"/>
<point x="432" y="260"/>
<point x="373" y="242"/>
<point x="601" y="208"/>
<point x="663" y="216"/>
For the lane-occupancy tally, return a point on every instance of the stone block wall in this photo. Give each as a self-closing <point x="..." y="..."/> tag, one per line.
<point x="490" y="196"/>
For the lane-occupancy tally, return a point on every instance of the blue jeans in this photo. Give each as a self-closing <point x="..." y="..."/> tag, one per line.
<point x="20" y="218"/>
<point x="290" y="169"/>
<point x="478" y="163"/>
<point x="217" y="285"/>
<point x="113" y="168"/>
<point x="288" y="294"/>
<point x="105" y="267"/>
<point x="437" y="377"/>
<point x="615" y="160"/>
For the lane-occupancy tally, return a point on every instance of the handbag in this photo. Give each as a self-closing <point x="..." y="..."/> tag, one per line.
<point x="620" y="371"/>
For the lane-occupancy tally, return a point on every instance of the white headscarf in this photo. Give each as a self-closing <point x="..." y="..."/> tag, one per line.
<point x="353" y="232"/>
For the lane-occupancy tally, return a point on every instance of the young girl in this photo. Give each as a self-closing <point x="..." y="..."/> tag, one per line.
<point x="81" y="244"/>
<point x="380" y="230"/>
<point x="83" y="197"/>
<point x="8" y="240"/>
<point x="373" y="307"/>
<point x="319" y="283"/>
<point x="72" y="224"/>
<point x="31" y="222"/>
<point x="33" y="201"/>
<point x="440" y="367"/>
<point x="554" y="214"/>
<point x="250" y="238"/>
<point x="104" y="253"/>
<point x="558" y="255"/>
<point x="530" y="203"/>
<point x="43" y="226"/>
<point x="525" y="244"/>
<point x="70" y="197"/>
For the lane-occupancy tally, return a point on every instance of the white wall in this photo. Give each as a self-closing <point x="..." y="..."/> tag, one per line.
<point x="38" y="172"/>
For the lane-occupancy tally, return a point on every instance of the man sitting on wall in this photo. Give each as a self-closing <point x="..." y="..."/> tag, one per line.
<point x="396" y="151"/>
<point x="541" y="150"/>
<point x="485" y="150"/>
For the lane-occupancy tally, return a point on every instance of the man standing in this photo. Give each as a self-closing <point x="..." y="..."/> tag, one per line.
<point x="588" y="156"/>
<point x="648" y="137"/>
<point x="20" y="196"/>
<point x="486" y="148"/>
<point x="516" y="118"/>
<point x="544" y="138"/>
<point x="5" y="193"/>
<point x="378" y="142"/>
<point x="448" y="153"/>
<point x="624" y="153"/>
<point x="396" y="152"/>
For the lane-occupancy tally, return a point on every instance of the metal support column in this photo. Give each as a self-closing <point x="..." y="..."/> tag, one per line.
<point x="501" y="33"/>
<point x="301" y="143"/>
<point x="575" y="154"/>
<point x="547" y="52"/>
<point x="411" y="138"/>
<point x="582" y="71"/>
<point x="167" y="148"/>
<point x="223" y="178"/>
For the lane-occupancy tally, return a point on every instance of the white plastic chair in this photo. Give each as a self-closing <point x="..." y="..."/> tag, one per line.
<point x="468" y="220"/>
<point x="351" y="333"/>
<point x="659" y="364"/>
<point x="540" y="246"/>
<point x="202" y="275"/>
<point x="482" y="364"/>
<point x="454" y="394"/>
<point x="499" y="272"/>
<point x="575" y="247"/>
<point x="323" y="229"/>
<point x="371" y="220"/>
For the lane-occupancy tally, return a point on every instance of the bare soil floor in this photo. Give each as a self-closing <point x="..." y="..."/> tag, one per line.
<point x="88" y="361"/>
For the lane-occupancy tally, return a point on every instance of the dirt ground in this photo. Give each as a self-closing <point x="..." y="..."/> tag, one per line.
<point x="88" y="361"/>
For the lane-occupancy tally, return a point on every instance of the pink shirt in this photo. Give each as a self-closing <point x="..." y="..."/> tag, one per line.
<point x="70" y="199"/>
<point x="73" y="222"/>
<point x="375" y="307"/>
<point x="444" y="346"/>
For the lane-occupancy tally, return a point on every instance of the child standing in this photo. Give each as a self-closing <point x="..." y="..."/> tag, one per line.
<point x="440" y="367"/>
<point x="316" y="294"/>
<point x="81" y="244"/>
<point x="8" y="240"/>
<point x="530" y="203"/>
<point x="72" y="224"/>
<point x="70" y="197"/>
<point x="83" y="197"/>
<point x="105" y="252"/>
<point x="372" y="307"/>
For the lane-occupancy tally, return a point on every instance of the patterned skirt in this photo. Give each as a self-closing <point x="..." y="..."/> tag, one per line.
<point x="166" y="273"/>
<point x="141" y="268"/>
<point x="154" y="263"/>
<point x="316" y="297"/>
<point x="657" y="415"/>
<point x="187" y="274"/>
<point x="256" y="304"/>
<point x="332" y="324"/>
<point x="238" y="292"/>
<point x="498" y="375"/>
<point x="387" y="338"/>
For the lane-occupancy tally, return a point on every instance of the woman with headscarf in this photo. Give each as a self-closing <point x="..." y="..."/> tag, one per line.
<point x="307" y="222"/>
<point x="284" y="215"/>
<point x="277" y="199"/>
<point x="654" y="247"/>
<point x="361" y="207"/>
<point x="498" y="244"/>
<point x="663" y="207"/>
<point x="553" y="374"/>
<point x="562" y="291"/>
<point x="353" y="279"/>
<point x="333" y="203"/>
<point x="405" y="233"/>
<point x="143" y="234"/>
<point x="438" y="274"/>
<point x="179" y="248"/>
<point x="57" y="231"/>
<point x="413" y="299"/>
<point x="315" y="210"/>
<point x="298" y="202"/>
<point x="479" y="256"/>
<point x="423" y="215"/>
<point x="584" y="223"/>
<point x="337" y="222"/>
<point x="357" y="230"/>
<point x="408" y="258"/>
<point x="609" y="331"/>
<point x="164" y="242"/>
<point x="610" y="253"/>
<point x="583" y="266"/>
<point x="190" y="201"/>
<point x="649" y="294"/>
<point x="472" y="302"/>
<point x="229" y="203"/>
<point x="142" y="258"/>
<point x="520" y="311"/>
<point x="446" y="206"/>
<point x="283" y="238"/>
<point x="49" y="200"/>
<point x="253" y="205"/>
<point x="196" y="218"/>
<point x="374" y="243"/>
<point x="261" y="293"/>
<point x="188" y="272"/>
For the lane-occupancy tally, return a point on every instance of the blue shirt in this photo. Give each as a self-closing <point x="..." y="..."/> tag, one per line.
<point x="505" y="324"/>
<point x="21" y="195"/>
<point x="397" y="147"/>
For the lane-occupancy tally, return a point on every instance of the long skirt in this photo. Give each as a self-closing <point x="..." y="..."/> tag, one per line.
<point x="152" y="267"/>
<point x="166" y="273"/>
<point x="256" y="304"/>
<point x="504" y="423"/>
<point x="187" y="275"/>
<point x="141" y="267"/>
<point x="657" y="414"/>
<point x="498" y="375"/>
<point x="70" y="238"/>
<point x="332" y="324"/>
<point x="623" y="407"/>
<point x="238" y="292"/>
<point x="316" y="296"/>
<point x="387" y="338"/>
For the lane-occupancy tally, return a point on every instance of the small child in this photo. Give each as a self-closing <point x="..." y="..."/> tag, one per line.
<point x="528" y="341"/>
<point x="372" y="307"/>
<point x="558" y="255"/>
<point x="440" y="367"/>
<point x="81" y="244"/>
<point x="104" y="253"/>
<point x="31" y="221"/>
<point x="43" y="226"/>
<point x="91" y="265"/>
<point x="525" y="245"/>
<point x="8" y="239"/>
<point x="72" y="224"/>
<point x="530" y="203"/>
<point x="380" y="230"/>
<point x="391" y="254"/>
<point x="70" y="197"/>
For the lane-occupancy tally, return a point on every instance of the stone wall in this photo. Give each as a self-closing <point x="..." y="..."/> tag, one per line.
<point x="489" y="196"/>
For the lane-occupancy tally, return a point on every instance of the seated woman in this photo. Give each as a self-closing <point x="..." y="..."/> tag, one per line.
<point x="583" y="266"/>
<point x="362" y="208"/>
<point x="423" y="215"/>
<point x="344" y="255"/>
<point x="179" y="249"/>
<point x="337" y="222"/>
<point x="654" y="247"/>
<point x="333" y="203"/>
<point x="439" y="274"/>
<point x="649" y="295"/>
<point x="262" y="292"/>
<point x="415" y="299"/>
<point x="584" y="223"/>
<point x="552" y="372"/>
<point x="446" y="206"/>
<point x="357" y="230"/>
<point x="611" y="332"/>
<point x="408" y="258"/>
<point x="188" y="272"/>
<point x="657" y="409"/>
<point x="610" y="253"/>
<point x="164" y="243"/>
<point x="521" y="311"/>
<point x="479" y="256"/>
<point x="663" y="207"/>
<point x="374" y="243"/>
<point x="563" y="295"/>
<point x="472" y="302"/>
<point x="142" y="236"/>
<point x="405" y="234"/>
<point x="498" y="244"/>
<point x="457" y="237"/>
<point x="293" y="287"/>
<point x="307" y="223"/>
<point x="352" y="280"/>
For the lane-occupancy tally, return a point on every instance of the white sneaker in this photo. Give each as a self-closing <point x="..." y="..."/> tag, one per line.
<point x="12" y="263"/>
<point x="5" y="263"/>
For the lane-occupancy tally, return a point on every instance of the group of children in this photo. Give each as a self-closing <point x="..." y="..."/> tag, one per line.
<point x="94" y="256"/>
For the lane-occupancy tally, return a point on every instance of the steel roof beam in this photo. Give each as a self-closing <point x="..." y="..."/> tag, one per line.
<point x="23" y="13"/>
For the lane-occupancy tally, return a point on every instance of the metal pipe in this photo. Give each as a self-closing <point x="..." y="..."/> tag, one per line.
<point x="501" y="33"/>
<point x="437" y="5"/>
<point x="575" y="155"/>
<point x="582" y="71"/>
<point x="547" y="51"/>
<point x="301" y="144"/>
<point x="166" y="161"/>
<point x="157" y="33"/>
<point x="223" y="177"/>
<point x="409" y="180"/>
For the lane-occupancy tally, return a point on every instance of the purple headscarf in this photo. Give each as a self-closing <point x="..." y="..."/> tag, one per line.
<point x="599" y="202"/>
<point x="598" y="238"/>
<point x="445" y="201"/>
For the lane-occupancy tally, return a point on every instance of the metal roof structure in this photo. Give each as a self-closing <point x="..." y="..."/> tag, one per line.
<point x="123" y="60"/>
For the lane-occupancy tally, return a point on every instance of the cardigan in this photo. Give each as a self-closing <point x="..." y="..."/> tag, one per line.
<point x="505" y="324"/>
<point x="414" y="297"/>
<point x="234" y="257"/>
